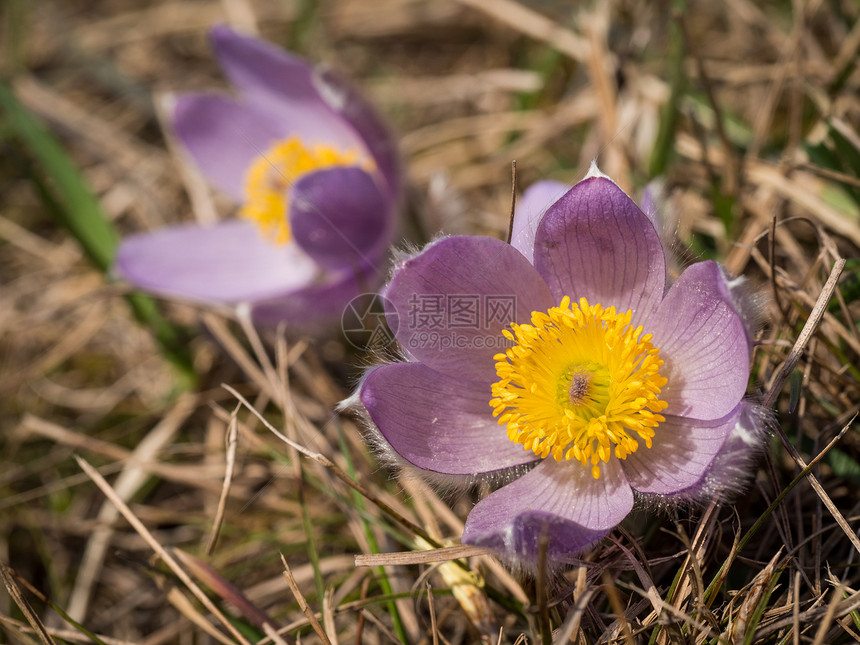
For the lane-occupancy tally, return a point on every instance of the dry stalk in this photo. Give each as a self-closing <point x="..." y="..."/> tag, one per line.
<point x="160" y="551"/>
<point x="229" y="468"/>
<point x="15" y="593"/>
<point x="303" y="604"/>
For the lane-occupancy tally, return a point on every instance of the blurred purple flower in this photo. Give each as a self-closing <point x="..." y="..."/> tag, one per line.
<point x="609" y="385"/>
<point x="316" y="174"/>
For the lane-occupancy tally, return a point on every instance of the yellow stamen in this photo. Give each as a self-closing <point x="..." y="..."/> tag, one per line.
<point x="579" y="383"/>
<point x="274" y="171"/>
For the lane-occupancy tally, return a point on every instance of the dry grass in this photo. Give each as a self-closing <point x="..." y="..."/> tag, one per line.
<point x="149" y="515"/>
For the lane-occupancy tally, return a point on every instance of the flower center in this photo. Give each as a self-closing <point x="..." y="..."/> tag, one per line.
<point x="579" y="383"/>
<point x="269" y="177"/>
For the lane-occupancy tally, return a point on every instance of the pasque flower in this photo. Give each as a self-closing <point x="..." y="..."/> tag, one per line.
<point x="566" y="368"/>
<point x="316" y="176"/>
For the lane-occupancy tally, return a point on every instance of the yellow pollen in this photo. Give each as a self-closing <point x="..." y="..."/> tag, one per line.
<point x="269" y="177"/>
<point x="580" y="382"/>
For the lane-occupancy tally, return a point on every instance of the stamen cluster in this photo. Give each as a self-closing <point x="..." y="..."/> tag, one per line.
<point x="579" y="383"/>
<point x="268" y="179"/>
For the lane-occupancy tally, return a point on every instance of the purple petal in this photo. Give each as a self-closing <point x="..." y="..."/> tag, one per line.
<point x="749" y="303"/>
<point x="438" y="423"/>
<point x="257" y="67"/>
<point x="224" y="137"/>
<point x="530" y="208"/>
<point x="703" y="342"/>
<point x="227" y="263"/>
<point x="595" y="242"/>
<point x="734" y="465"/>
<point x="284" y="85"/>
<point x="681" y="452"/>
<point x="339" y="217"/>
<point x="560" y="501"/>
<point x="317" y="307"/>
<point x="376" y="136"/>
<point x="454" y="298"/>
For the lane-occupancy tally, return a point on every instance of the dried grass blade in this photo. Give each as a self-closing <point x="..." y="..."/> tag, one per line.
<point x="212" y="579"/>
<point x="303" y="604"/>
<point x="243" y="314"/>
<point x="699" y="625"/>
<point x="442" y="554"/>
<point x="828" y="616"/>
<point x="134" y="475"/>
<point x="432" y="609"/>
<point x="328" y="616"/>
<point x="184" y="606"/>
<point x="469" y="589"/>
<point x="719" y="577"/>
<point x="15" y="592"/>
<point x="234" y="348"/>
<point x="229" y="468"/>
<point x="275" y="637"/>
<point x="806" y="333"/>
<point x="162" y="553"/>
<point x="81" y="636"/>
<point x="795" y="610"/>
<point x="692" y="567"/>
<point x="381" y="627"/>
<point x="334" y="468"/>
<point x="810" y="616"/>
<point x="790" y="362"/>
<point x="571" y="622"/>
<point x="644" y="578"/>
<point x="617" y="608"/>
<point x="751" y="609"/>
<point x="537" y="26"/>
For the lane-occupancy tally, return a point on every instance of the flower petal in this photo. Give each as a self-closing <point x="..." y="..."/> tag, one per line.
<point x="560" y="501"/>
<point x="274" y="80"/>
<point x="376" y="136"/>
<point x="257" y="67"/>
<point x="226" y="263"/>
<point x="530" y="208"/>
<point x="595" y="243"/>
<point x="438" y="423"/>
<point x="453" y="299"/>
<point x="703" y="342"/>
<point x="224" y="136"/>
<point x="315" y="308"/>
<point x="681" y="452"/>
<point x="732" y="468"/>
<point x="339" y="217"/>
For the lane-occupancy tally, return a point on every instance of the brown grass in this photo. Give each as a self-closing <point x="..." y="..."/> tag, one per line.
<point x="151" y="516"/>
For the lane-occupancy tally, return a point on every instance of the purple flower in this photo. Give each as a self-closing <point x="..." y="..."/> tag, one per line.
<point x="564" y="367"/>
<point x="316" y="174"/>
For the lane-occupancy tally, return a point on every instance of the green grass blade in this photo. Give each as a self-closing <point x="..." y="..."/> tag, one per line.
<point x="313" y="552"/>
<point x="80" y="211"/>
<point x="358" y="501"/>
<point x="67" y="197"/>
<point x="665" y="143"/>
<point x="755" y="619"/>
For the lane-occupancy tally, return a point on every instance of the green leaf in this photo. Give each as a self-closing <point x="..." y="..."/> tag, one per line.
<point x="843" y="465"/>
<point x="846" y="151"/>
<point x="837" y="153"/>
<point x="665" y="143"/>
<point x="65" y="194"/>
<point x="80" y="212"/>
